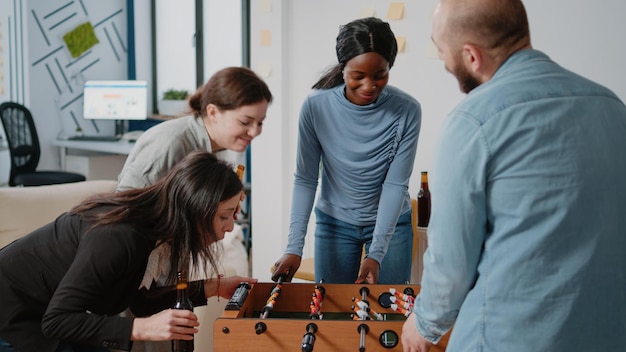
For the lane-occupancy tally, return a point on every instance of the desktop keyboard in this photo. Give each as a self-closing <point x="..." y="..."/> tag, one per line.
<point x="94" y="138"/>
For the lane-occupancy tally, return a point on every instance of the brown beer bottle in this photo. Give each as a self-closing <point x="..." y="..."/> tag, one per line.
<point x="423" y="202"/>
<point x="182" y="302"/>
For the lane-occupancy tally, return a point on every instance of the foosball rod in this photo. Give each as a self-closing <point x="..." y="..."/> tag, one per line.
<point x="363" y="330"/>
<point x="269" y="305"/>
<point x="364" y="291"/>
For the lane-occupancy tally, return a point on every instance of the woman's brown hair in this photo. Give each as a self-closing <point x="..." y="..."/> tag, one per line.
<point x="229" y="89"/>
<point x="178" y="209"/>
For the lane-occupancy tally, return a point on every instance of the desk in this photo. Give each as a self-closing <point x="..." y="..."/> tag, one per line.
<point x="121" y="147"/>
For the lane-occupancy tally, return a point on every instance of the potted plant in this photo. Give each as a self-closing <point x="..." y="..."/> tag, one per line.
<point x="174" y="102"/>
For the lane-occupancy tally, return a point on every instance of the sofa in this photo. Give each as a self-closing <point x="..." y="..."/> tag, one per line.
<point x="23" y="209"/>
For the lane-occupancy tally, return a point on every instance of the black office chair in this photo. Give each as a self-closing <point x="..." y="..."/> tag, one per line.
<point x="24" y="149"/>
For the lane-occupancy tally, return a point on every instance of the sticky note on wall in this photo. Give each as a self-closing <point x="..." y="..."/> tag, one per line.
<point x="401" y="43"/>
<point x="266" y="37"/>
<point x="265" y="6"/>
<point x="396" y="11"/>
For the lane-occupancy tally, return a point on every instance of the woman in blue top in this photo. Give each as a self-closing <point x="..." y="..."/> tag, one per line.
<point x="364" y="133"/>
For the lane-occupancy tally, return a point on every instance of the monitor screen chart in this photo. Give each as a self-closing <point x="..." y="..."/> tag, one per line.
<point x="115" y="100"/>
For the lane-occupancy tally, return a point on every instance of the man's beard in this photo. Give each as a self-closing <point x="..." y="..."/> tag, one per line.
<point x="467" y="82"/>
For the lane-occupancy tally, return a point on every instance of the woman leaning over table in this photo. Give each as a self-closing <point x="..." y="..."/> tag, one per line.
<point x="64" y="283"/>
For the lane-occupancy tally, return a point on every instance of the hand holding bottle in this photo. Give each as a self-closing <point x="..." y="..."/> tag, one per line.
<point x="166" y="325"/>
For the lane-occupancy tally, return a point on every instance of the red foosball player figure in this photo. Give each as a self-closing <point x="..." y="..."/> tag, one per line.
<point x="316" y="303"/>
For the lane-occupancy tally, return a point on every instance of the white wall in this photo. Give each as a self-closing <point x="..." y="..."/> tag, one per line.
<point x="176" y="26"/>
<point x="175" y="32"/>
<point x="222" y="35"/>
<point x="13" y="75"/>
<point x="583" y="36"/>
<point x="143" y="46"/>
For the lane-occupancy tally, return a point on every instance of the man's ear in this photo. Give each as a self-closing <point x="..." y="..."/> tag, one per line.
<point x="472" y="58"/>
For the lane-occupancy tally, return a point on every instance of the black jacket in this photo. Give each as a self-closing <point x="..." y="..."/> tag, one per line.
<point x="66" y="282"/>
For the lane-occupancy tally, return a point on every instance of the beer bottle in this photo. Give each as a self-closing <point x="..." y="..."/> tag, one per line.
<point x="423" y="202"/>
<point x="182" y="302"/>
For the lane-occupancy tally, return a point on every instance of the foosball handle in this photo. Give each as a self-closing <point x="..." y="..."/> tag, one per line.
<point x="260" y="328"/>
<point x="308" y="340"/>
<point x="236" y="301"/>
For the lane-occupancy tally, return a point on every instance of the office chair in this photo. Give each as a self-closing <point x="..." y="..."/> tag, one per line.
<point x="24" y="150"/>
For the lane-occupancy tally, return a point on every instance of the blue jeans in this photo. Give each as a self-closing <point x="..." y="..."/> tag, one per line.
<point x="339" y="246"/>
<point x="63" y="347"/>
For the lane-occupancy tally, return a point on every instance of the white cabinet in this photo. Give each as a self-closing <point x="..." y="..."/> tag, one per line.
<point x="96" y="166"/>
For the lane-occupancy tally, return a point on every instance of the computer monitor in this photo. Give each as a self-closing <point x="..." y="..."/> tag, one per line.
<point x="117" y="100"/>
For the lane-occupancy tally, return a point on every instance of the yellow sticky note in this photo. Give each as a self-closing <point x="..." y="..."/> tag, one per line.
<point x="264" y="70"/>
<point x="401" y="43"/>
<point x="266" y="37"/>
<point x="367" y="11"/>
<point x="396" y="11"/>
<point x="265" y="6"/>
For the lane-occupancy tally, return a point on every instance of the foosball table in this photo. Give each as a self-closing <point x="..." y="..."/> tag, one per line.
<point x="315" y="317"/>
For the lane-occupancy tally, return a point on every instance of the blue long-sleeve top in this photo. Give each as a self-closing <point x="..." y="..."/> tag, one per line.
<point x="367" y="155"/>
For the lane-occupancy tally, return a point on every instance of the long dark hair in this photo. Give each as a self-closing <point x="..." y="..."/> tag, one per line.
<point x="178" y="209"/>
<point x="358" y="37"/>
<point x="229" y="89"/>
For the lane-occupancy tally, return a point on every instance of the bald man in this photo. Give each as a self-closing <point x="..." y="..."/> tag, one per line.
<point x="527" y="237"/>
